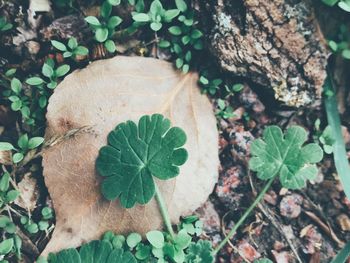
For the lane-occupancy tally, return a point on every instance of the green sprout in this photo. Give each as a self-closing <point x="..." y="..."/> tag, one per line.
<point x="72" y="49"/>
<point x="155" y="17"/>
<point x="104" y="28"/>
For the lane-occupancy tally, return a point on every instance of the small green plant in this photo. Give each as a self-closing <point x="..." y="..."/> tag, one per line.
<point x="25" y="144"/>
<point x="51" y="73"/>
<point x="327" y="140"/>
<point x="340" y="45"/>
<point x="7" y="194"/>
<point x="210" y="86"/>
<point x="33" y="227"/>
<point x="72" y="49"/>
<point x="4" y="25"/>
<point x="31" y="102"/>
<point x="280" y="155"/>
<point x="184" y="38"/>
<point x="104" y="28"/>
<point x="223" y="110"/>
<point x="276" y="154"/>
<point x="155" y="17"/>
<point x="11" y="241"/>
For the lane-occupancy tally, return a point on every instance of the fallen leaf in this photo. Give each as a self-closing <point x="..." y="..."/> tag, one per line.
<point x="103" y="95"/>
<point x="29" y="192"/>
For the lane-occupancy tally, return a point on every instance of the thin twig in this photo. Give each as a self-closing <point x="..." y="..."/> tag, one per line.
<point x="266" y="211"/>
<point x="223" y="230"/>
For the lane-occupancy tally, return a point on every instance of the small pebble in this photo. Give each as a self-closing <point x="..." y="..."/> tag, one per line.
<point x="344" y="222"/>
<point x="290" y="205"/>
<point x="247" y="251"/>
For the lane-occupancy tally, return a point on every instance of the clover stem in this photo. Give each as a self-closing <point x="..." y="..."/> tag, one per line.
<point x="164" y="211"/>
<point x="245" y="215"/>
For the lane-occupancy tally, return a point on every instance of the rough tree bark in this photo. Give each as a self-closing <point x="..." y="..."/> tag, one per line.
<point x="276" y="44"/>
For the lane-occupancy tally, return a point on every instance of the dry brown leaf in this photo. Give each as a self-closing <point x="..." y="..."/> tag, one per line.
<point x="102" y="95"/>
<point x="29" y="192"/>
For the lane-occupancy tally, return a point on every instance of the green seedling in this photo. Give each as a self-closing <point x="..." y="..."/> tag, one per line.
<point x="72" y="49"/>
<point x="210" y="86"/>
<point x="155" y="17"/>
<point x="327" y="140"/>
<point x="25" y="144"/>
<point x="224" y="111"/>
<point x="4" y="25"/>
<point x="104" y="28"/>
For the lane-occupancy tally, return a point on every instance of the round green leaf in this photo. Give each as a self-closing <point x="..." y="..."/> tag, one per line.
<point x="10" y="228"/>
<point x="114" y="2"/>
<point x="5" y="182"/>
<point x="67" y="54"/>
<point x="155" y="238"/>
<point x="62" y="70"/>
<point x="6" y="146"/>
<point x="52" y="85"/>
<point x="175" y="30"/>
<point x="110" y="46"/>
<point x="164" y="44"/>
<point x="156" y="26"/>
<point x="12" y="195"/>
<point x="196" y="34"/>
<point x="82" y="51"/>
<point x="133" y="239"/>
<point x="34" y="81"/>
<point x="346" y="53"/>
<point x="16" y="105"/>
<point x="114" y="21"/>
<point x="106" y="9"/>
<point x="4" y="221"/>
<point x="118" y="241"/>
<point x="141" y="17"/>
<point x="59" y="45"/>
<point x="92" y="21"/>
<point x="345" y="5"/>
<point x="16" y="85"/>
<point x="6" y="246"/>
<point x="35" y="142"/>
<point x="32" y="228"/>
<point x="169" y="15"/>
<point x="17" y="157"/>
<point x="182" y="240"/>
<point x="23" y="142"/>
<point x="144" y="154"/>
<point x="181" y="5"/>
<point x="72" y="43"/>
<point x="47" y="70"/>
<point x="101" y="34"/>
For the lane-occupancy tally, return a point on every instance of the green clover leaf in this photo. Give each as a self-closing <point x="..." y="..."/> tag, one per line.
<point x="200" y="252"/>
<point x="285" y="155"/>
<point x="135" y="153"/>
<point x="95" y="251"/>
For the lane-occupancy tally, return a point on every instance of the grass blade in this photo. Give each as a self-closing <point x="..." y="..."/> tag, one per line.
<point x="339" y="151"/>
<point x="343" y="254"/>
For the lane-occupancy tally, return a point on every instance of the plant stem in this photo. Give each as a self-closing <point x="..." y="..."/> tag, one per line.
<point x="244" y="217"/>
<point x="164" y="211"/>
